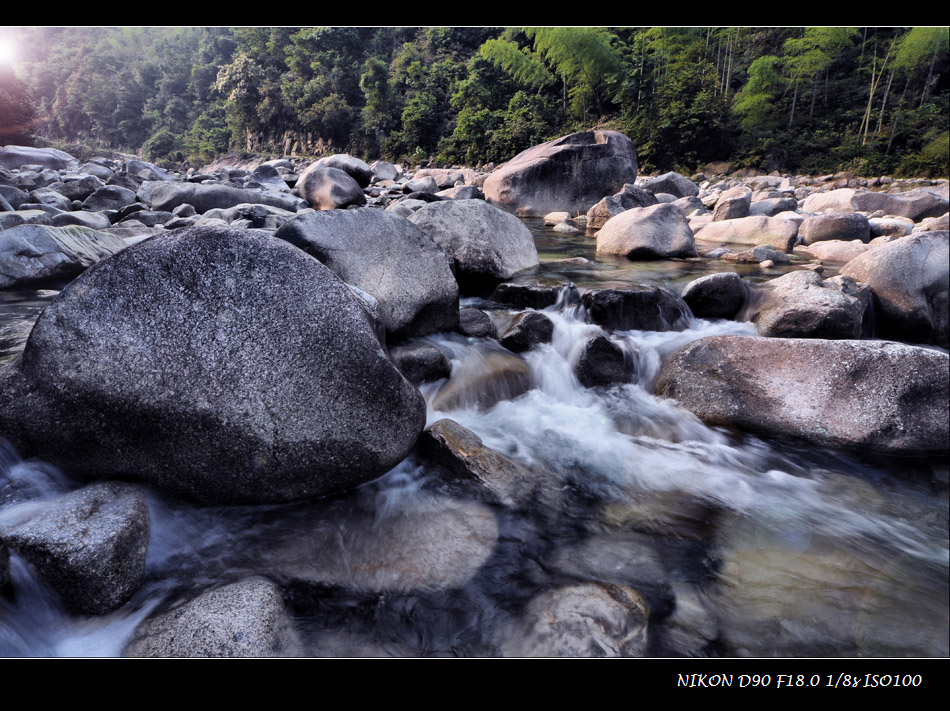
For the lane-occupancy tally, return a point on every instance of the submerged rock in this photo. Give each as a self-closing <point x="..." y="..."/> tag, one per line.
<point x="499" y="375"/>
<point x="244" y="619"/>
<point x="586" y="620"/>
<point x="223" y="365"/>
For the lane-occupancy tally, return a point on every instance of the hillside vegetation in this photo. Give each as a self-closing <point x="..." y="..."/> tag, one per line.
<point x="869" y="100"/>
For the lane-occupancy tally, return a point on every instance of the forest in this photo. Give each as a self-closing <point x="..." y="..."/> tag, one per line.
<point x="868" y="100"/>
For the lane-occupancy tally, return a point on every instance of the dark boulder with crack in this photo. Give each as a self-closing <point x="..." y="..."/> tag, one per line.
<point x="223" y="365"/>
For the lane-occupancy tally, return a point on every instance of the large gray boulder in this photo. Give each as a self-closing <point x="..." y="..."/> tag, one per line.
<point x="329" y="188"/>
<point x="910" y="280"/>
<point x="801" y="305"/>
<point x="845" y="226"/>
<point x="352" y="166"/>
<point x="672" y="183"/>
<point x="733" y="203"/>
<point x="639" y="306"/>
<point x="485" y="242"/>
<point x="243" y="619"/>
<point x="16" y="156"/>
<point x="388" y="257"/>
<point x="570" y="173"/>
<point x="628" y="197"/>
<point x="776" y="232"/>
<point x="719" y="295"/>
<point x="657" y="232"/>
<point x="875" y="396"/>
<point x="89" y="546"/>
<point x="914" y="204"/>
<point x="223" y="365"/>
<point x="168" y="196"/>
<point x="42" y="254"/>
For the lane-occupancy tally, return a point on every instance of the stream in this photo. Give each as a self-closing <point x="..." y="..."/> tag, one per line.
<point x="740" y="545"/>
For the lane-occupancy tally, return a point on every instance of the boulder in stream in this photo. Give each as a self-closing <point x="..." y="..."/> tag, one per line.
<point x="89" y="546"/>
<point x="570" y="173"/>
<point x="876" y="396"/>
<point x="220" y="364"/>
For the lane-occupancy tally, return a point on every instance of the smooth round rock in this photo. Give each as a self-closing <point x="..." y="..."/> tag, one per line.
<point x="220" y="364"/>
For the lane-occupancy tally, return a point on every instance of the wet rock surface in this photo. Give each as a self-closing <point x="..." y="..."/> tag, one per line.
<point x="877" y="396"/>
<point x="89" y="545"/>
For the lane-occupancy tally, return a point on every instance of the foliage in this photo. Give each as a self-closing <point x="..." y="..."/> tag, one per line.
<point x="871" y="99"/>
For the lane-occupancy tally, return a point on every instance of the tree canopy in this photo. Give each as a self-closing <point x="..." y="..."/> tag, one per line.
<point x="814" y="99"/>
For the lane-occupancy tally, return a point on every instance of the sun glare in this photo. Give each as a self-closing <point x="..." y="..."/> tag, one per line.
<point x="8" y="51"/>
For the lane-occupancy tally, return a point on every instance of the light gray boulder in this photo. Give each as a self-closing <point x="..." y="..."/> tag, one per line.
<point x="390" y="258"/>
<point x="657" y="232"/>
<point x="352" y="166"/>
<point x="770" y="207"/>
<point x="569" y="173"/>
<point x="383" y="170"/>
<point x="630" y="196"/>
<point x="42" y="215"/>
<point x="167" y="196"/>
<point x="222" y="365"/>
<point x="733" y="203"/>
<point x="243" y="619"/>
<point x="78" y="187"/>
<point x="426" y="184"/>
<point x="46" y="196"/>
<point x="891" y="226"/>
<point x="89" y="546"/>
<point x="329" y="188"/>
<point x="17" y="156"/>
<point x="773" y="231"/>
<point x="845" y="226"/>
<point x="914" y="204"/>
<point x="486" y="243"/>
<point x="800" y="305"/>
<point x="910" y="280"/>
<point x="92" y="220"/>
<point x="834" y="250"/>
<point x="875" y="396"/>
<point x="109" y="197"/>
<point x="97" y="169"/>
<point x="42" y="254"/>
<point x="673" y="184"/>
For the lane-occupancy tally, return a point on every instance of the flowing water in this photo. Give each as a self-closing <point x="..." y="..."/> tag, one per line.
<point x="740" y="546"/>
